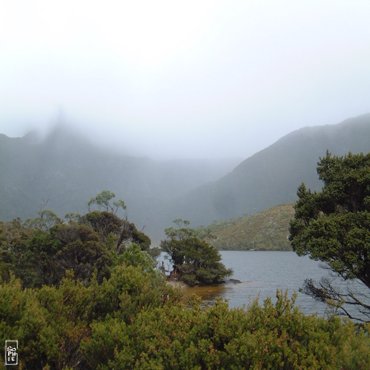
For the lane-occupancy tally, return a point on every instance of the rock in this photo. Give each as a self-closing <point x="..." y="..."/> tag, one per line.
<point x="233" y="281"/>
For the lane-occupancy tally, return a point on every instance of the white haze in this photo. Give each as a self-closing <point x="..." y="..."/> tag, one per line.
<point x="166" y="79"/>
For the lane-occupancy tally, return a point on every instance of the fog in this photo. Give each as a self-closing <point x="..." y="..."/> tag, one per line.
<point x="191" y="79"/>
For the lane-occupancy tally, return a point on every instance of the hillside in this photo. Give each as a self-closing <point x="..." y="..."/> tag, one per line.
<point x="266" y="230"/>
<point x="272" y="176"/>
<point x="64" y="170"/>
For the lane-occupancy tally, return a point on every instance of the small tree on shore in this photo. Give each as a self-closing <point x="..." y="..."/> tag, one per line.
<point x="195" y="262"/>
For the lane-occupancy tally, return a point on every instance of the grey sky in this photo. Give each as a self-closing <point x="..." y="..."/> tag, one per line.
<point x="201" y="78"/>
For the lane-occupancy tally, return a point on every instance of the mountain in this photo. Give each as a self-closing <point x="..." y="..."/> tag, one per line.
<point x="64" y="170"/>
<point x="266" y="230"/>
<point x="272" y="176"/>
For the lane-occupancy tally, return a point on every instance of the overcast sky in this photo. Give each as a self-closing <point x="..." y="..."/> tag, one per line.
<point x="202" y="78"/>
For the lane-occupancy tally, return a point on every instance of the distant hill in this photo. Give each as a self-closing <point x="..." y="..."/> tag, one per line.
<point x="266" y="230"/>
<point x="272" y="176"/>
<point x="64" y="170"/>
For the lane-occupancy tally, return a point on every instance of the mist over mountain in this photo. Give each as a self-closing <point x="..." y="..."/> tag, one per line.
<point x="64" y="170"/>
<point x="272" y="176"/>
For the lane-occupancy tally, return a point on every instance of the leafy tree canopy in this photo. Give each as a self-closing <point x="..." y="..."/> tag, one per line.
<point x="42" y="257"/>
<point x="41" y="250"/>
<point x="194" y="260"/>
<point x="45" y="220"/>
<point x="333" y="226"/>
<point x="104" y="200"/>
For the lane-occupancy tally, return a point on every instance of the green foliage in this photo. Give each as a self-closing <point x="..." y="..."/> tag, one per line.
<point x="134" y="256"/>
<point x="119" y="204"/>
<point x="46" y="220"/>
<point x="41" y="250"/>
<point x="75" y="300"/>
<point x="49" y="323"/>
<point x="134" y="320"/>
<point x="54" y="323"/>
<point x="81" y="251"/>
<point x="272" y="336"/>
<point x="103" y="200"/>
<point x="266" y="230"/>
<point x="42" y="257"/>
<point x="73" y="217"/>
<point x="195" y="262"/>
<point x="129" y="290"/>
<point x="141" y="239"/>
<point x="334" y="225"/>
<point x="104" y="223"/>
<point x="110" y="226"/>
<point x="116" y="232"/>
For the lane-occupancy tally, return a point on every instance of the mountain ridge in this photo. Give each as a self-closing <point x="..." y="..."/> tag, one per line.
<point x="64" y="170"/>
<point x="272" y="175"/>
<point x="63" y="174"/>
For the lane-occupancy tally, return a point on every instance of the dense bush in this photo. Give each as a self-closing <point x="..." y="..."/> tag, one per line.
<point x="40" y="251"/>
<point x="40" y="257"/>
<point x="135" y="321"/>
<point x="51" y="322"/>
<point x="268" y="336"/>
<point x="78" y="295"/>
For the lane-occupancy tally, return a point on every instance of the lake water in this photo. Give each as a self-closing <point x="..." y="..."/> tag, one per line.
<point x="261" y="274"/>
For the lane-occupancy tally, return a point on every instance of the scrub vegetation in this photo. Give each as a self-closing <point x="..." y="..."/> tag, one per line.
<point x="266" y="230"/>
<point x="83" y="292"/>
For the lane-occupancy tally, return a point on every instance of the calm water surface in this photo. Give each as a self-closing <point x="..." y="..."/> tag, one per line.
<point x="261" y="274"/>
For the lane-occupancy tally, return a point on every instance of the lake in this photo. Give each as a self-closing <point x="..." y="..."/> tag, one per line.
<point x="261" y="273"/>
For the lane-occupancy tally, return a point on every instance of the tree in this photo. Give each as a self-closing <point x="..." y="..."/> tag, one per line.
<point x="45" y="221"/>
<point x="194" y="261"/>
<point x="42" y="257"/>
<point x="116" y="231"/>
<point x="41" y="250"/>
<point x="333" y="226"/>
<point x="103" y="200"/>
<point x="110" y="226"/>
